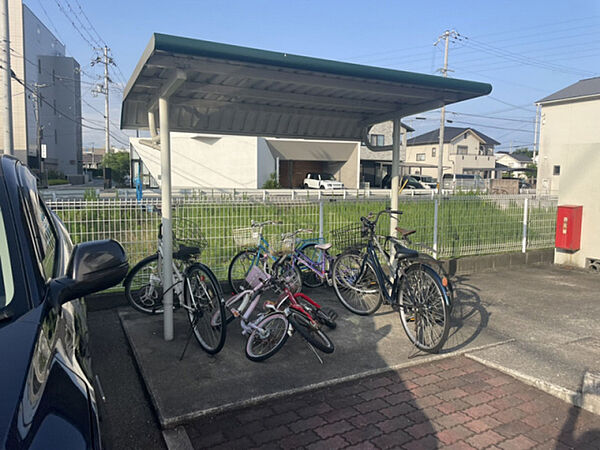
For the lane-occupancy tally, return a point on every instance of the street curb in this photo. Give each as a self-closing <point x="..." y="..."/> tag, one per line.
<point x="589" y="402"/>
<point x="184" y="418"/>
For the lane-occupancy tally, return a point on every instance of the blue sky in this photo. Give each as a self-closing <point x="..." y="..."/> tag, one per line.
<point x="525" y="49"/>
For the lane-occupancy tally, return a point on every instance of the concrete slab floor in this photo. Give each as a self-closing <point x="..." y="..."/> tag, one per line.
<point x="202" y="384"/>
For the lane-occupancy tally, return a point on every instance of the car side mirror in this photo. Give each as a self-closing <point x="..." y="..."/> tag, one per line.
<point x="93" y="267"/>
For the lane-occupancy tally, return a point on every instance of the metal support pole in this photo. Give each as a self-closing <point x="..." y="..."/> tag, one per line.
<point x="321" y="219"/>
<point x="435" y="227"/>
<point x="395" y="175"/>
<point x="525" y="208"/>
<point x="167" y="223"/>
<point x="106" y="108"/>
<point x="6" y="96"/>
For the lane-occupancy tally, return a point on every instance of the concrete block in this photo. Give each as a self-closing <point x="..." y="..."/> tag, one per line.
<point x="502" y="261"/>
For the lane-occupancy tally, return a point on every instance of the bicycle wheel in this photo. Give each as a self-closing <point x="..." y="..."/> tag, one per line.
<point x="268" y="338"/>
<point x="143" y="286"/>
<point x="239" y="267"/>
<point x="290" y="274"/>
<point x="424" y="308"/>
<point x="357" y="289"/>
<point x="203" y="297"/>
<point x="324" y="317"/>
<point x="439" y="269"/>
<point x="309" y="277"/>
<point x="311" y="331"/>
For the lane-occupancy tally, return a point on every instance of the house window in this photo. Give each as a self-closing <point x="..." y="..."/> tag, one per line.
<point x="54" y="106"/>
<point x="55" y="137"/>
<point x="556" y="170"/>
<point x="420" y="156"/>
<point x="433" y="151"/>
<point x="462" y="149"/>
<point x="377" y="139"/>
<point x="39" y="66"/>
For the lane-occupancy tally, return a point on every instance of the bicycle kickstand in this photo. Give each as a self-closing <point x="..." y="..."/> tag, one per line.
<point x="314" y="351"/>
<point x="187" y="342"/>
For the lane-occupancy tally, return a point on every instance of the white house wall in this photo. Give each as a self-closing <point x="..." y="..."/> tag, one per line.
<point x="561" y="125"/>
<point x="570" y="138"/>
<point x="206" y="161"/>
<point x="265" y="162"/>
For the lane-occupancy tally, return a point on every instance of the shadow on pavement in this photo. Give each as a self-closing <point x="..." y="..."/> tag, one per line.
<point x="468" y="318"/>
<point x="577" y="419"/>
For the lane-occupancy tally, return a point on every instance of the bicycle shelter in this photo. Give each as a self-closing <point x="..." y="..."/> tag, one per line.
<point x="208" y="87"/>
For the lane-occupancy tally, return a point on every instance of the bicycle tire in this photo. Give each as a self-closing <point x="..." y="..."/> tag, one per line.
<point x="439" y="269"/>
<point x="239" y="267"/>
<point x="359" y="293"/>
<point x="143" y="286"/>
<point x="207" y="300"/>
<point x="258" y="348"/>
<point x="316" y="313"/>
<point x="424" y="308"/>
<point x="309" y="277"/>
<point x="310" y="331"/>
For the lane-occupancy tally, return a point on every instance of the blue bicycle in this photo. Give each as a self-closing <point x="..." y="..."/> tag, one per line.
<point x="259" y="252"/>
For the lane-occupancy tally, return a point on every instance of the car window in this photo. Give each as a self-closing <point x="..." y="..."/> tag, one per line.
<point x="7" y="285"/>
<point x="327" y="177"/>
<point x="40" y="225"/>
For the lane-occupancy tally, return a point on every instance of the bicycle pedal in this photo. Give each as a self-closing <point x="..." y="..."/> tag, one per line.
<point x="235" y="313"/>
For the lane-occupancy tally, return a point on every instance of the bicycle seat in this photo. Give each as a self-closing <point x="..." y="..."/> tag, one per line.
<point x="405" y="250"/>
<point x="323" y="247"/>
<point x="404" y="232"/>
<point x="185" y="251"/>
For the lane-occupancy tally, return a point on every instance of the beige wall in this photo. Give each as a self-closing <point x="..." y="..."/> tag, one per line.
<point x="570" y="138"/>
<point x="563" y="124"/>
<point x="348" y="172"/>
<point x="18" y="91"/>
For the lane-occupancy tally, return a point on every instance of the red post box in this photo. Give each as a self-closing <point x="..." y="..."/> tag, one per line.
<point x="568" y="227"/>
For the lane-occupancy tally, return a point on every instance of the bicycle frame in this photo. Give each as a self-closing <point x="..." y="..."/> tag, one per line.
<point x="318" y="267"/>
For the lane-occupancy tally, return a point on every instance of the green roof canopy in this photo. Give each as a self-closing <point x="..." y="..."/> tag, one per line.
<point x="226" y="89"/>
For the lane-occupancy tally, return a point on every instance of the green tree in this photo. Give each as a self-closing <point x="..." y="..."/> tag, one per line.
<point x="118" y="162"/>
<point x="271" y="183"/>
<point x="524" y="151"/>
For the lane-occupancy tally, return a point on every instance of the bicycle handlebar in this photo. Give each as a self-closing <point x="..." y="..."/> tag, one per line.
<point x="266" y="222"/>
<point x="367" y="221"/>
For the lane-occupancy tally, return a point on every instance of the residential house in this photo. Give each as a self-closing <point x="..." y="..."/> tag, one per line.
<point x="466" y="151"/>
<point x="569" y="160"/>
<point x="516" y="162"/>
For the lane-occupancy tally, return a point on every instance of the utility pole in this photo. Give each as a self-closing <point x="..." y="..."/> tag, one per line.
<point x="37" y="103"/>
<point x="103" y="90"/>
<point x="6" y="93"/>
<point x="446" y="37"/>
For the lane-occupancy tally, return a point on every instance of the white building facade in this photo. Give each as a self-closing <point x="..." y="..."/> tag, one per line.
<point x="569" y="160"/>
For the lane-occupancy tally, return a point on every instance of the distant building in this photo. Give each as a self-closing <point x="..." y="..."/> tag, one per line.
<point x="516" y="162"/>
<point x="466" y="151"/>
<point x="38" y="59"/>
<point x="569" y="160"/>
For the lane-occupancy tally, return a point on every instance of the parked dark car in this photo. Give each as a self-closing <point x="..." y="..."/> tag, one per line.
<point x="411" y="183"/>
<point x="47" y="398"/>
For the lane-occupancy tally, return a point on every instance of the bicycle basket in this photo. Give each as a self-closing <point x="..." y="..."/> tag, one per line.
<point x="285" y="245"/>
<point x="348" y="236"/>
<point x="198" y="244"/>
<point x="256" y="276"/>
<point x="246" y="237"/>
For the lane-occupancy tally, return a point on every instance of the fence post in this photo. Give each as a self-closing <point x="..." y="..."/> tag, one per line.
<point x="321" y="219"/>
<point x="435" y="227"/>
<point x="293" y="194"/>
<point x="525" y="208"/>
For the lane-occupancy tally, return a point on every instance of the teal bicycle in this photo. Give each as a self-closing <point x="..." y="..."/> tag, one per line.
<point x="259" y="252"/>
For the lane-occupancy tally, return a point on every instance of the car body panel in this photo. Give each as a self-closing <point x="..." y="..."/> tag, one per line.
<point x="46" y="391"/>
<point x="315" y="180"/>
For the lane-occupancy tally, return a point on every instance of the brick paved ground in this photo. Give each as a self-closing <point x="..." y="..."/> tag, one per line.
<point x="453" y="403"/>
